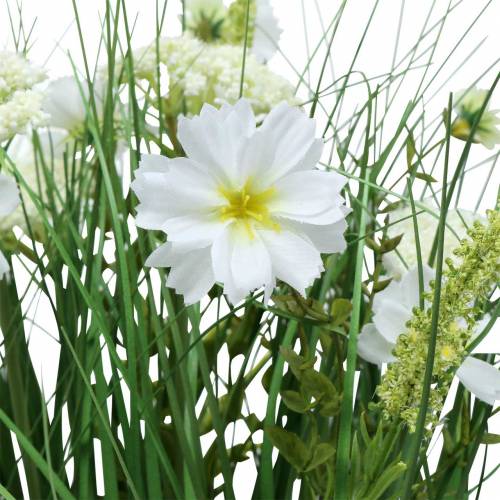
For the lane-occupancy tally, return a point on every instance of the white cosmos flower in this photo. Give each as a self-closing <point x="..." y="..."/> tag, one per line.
<point x="246" y="207"/>
<point x="392" y="309"/>
<point x="65" y="103"/>
<point x="267" y="31"/>
<point x="9" y="200"/>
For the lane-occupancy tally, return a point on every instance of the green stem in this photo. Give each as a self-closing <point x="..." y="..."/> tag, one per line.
<point x="346" y="411"/>
<point x="415" y="443"/>
<point x="266" y="469"/>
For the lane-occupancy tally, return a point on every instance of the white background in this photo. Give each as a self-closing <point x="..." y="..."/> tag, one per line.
<point x="55" y="39"/>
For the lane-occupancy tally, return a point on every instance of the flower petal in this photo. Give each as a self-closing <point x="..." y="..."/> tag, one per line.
<point x="191" y="274"/>
<point x="328" y="238"/>
<point x="267" y="32"/>
<point x="373" y="347"/>
<point x="9" y="195"/>
<point x="391" y="320"/>
<point x="199" y="230"/>
<point x="149" y="186"/>
<point x="191" y="271"/>
<point x="222" y="250"/>
<point x="294" y="260"/>
<point x="278" y="146"/>
<point x="214" y="138"/>
<point x="189" y="188"/>
<point x="409" y="287"/>
<point x="480" y="378"/>
<point x="250" y="262"/>
<point x="310" y="196"/>
<point x="65" y="105"/>
<point x="172" y="188"/>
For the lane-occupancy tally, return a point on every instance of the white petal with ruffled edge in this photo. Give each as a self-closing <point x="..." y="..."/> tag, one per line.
<point x="190" y="272"/>
<point x="267" y="32"/>
<point x="294" y="260"/>
<point x="480" y="378"/>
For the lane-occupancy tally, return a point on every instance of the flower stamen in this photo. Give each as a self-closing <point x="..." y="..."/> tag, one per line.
<point x="247" y="206"/>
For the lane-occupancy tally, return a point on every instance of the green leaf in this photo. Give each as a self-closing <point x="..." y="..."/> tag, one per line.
<point x="340" y="311"/>
<point x="490" y="438"/>
<point x="253" y="423"/>
<point x="390" y="244"/>
<point x="390" y="207"/>
<point x="385" y="480"/>
<point x="295" y="401"/>
<point x="321" y="454"/>
<point x="381" y="285"/>
<point x="425" y="177"/>
<point x="320" y="387"/>
<point x="410" y="150"/>
<point x="290" y="446"/>
<point x="296" y="363"/>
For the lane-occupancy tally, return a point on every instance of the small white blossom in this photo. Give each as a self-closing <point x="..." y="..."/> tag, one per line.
<point x="17" y="73"/>
<point x="20" y="103"/>
<point x="246" y="207"/>
<point x="401" y="220"/>
<point x="467" y="105"/>
<point x="211" y="73"/>
<point x="23" y="109"/>
<point x="9" y="200"/>
<point x="393" y="308"/>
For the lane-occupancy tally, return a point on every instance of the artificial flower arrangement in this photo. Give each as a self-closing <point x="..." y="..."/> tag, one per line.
<point x="231" y="290"/>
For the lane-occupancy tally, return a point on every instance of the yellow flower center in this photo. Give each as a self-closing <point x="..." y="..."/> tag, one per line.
<point x="447" y="353"/>
<point x="248" y="207"/>
<point x="460" y="129"/>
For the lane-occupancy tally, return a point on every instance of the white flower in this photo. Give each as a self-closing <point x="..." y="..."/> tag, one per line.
<point x="21" y="111"/>
<point x="65" y="103"/>
<point x="9" y="200"/>
<point x="246" y="207"/>
<point x="201" y="73"/>
<point x="467" y="105"/>
<point x="392" y="309"/>
<point x="17" y="73"/>
<point x="20" y="103"/>
<point x="22" y="153"/>
<point x="267" y="32"/>
<point x="457" y="223"/>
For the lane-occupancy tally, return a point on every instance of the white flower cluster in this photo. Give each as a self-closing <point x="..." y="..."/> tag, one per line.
<point x="457" y="223"/>
<point x="20" y="104"/>
<point x="211" y="73"/>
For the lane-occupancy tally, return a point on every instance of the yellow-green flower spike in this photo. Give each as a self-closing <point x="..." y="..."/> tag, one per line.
<point x="464" y="285"/>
